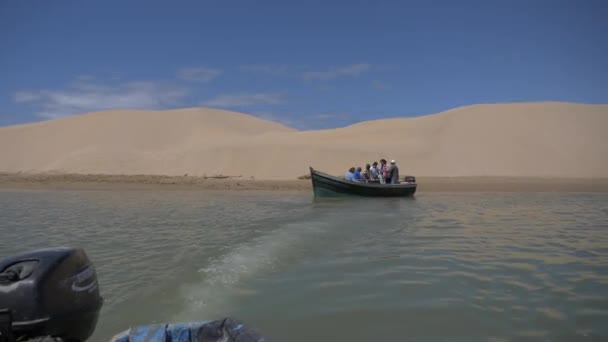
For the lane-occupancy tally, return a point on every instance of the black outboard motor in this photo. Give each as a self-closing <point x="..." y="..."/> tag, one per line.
<point x="48" y="292"/>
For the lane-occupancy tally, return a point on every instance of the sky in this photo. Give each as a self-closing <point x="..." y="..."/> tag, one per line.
<point x="308" y="64"/>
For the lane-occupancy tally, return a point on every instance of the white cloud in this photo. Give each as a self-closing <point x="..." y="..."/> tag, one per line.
<point x="324" y="116"/>
<point x="266" y="68"/>
<point x="335" y="72"/>
<point x="25" y="96"/>
<point x="244" y="99"/>
<point x="306" y="73"/>
<point x="202" y="75"/>
<point x="87" y="97"/>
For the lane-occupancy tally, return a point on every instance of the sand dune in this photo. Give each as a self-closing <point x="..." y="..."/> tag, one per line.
<point x="525" y="139"/>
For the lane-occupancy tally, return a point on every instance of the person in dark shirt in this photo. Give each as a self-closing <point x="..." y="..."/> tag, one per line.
<point x="358" y="175"/>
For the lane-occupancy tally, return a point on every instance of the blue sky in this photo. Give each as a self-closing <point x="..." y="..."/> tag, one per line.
<point x="309" y="64"/>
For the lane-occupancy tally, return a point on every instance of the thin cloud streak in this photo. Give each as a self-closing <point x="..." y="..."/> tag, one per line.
<point x="202" y="75"/>
<point x="244" y="99"/>
<point x="25" y="97"/>
<point x="306" y="73"/>
<point x="89" y="97"/>
<point x="335" y="72"/>
<point x="274" y="69"/>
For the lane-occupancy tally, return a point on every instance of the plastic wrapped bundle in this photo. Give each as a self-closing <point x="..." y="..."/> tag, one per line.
<point x="226" y="330"/>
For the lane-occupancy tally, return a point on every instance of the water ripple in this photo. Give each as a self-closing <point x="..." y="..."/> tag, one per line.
<point x="464" y="266"/>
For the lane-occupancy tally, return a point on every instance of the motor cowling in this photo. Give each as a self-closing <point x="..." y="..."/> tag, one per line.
<point x="410" y="179"/>
<point x="50" y="292"/>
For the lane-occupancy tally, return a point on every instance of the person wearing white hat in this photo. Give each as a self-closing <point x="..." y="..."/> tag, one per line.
<point x="393" y="173"/>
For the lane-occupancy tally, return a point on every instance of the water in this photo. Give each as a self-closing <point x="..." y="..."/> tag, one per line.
<point x="456" y="266"/>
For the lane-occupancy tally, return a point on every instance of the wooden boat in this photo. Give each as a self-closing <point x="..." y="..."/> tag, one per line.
<point x="327" y="185"/>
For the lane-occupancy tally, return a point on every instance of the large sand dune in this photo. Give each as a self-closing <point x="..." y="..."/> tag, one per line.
<point x="526" y="139"/>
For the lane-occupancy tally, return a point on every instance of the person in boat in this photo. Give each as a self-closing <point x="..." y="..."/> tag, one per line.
<point x="350" y="175"/>
<point x="393" y="173"/>
<point x="373" y="173"/>
<point x="358" y="175"/>
<point x="383" y="171"/>
<point x="366" y="173"/>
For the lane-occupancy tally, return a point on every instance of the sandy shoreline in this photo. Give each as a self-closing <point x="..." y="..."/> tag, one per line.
<point x="19" y="181"/>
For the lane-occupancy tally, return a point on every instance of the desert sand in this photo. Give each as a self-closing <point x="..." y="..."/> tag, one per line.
<point x="549" y="139"/>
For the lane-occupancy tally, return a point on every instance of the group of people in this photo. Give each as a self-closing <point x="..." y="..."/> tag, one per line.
<point x="374" y="173"/>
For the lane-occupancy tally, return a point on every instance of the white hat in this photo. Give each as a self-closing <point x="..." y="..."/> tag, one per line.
<point x="393" y="161"/>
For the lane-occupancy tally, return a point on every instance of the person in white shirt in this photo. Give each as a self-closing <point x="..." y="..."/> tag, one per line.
<point x="373" y="171"/>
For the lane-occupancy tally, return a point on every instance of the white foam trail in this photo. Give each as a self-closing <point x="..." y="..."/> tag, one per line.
<point x="223" y="278"/>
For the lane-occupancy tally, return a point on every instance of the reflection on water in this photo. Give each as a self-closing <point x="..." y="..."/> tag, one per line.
<point x="440" y="266"/>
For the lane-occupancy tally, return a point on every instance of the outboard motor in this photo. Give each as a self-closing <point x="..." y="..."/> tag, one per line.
<point x="48" y="293"/>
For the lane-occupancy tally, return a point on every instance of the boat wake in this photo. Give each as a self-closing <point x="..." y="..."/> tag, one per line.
<point x="227" y="278"/>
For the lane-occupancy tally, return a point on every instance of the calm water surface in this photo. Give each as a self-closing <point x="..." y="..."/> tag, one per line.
<point x="455" y="266"/>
